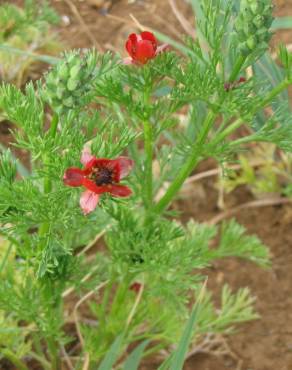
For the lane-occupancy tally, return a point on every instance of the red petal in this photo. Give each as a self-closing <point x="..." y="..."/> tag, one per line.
<point x="105" y="163"/>
<point x="88" y="201"/>
<point x="133" y="37"/>
<point x="119" y="190"/>
<point x="88" y="167"/>
<point x="145" y="51"/>
<point x="131" y="44"/>
<point x="150" y="37"/>
<point x="86" y="156"/>
<point x="125" y="166"/>
<point x="90" y="185"/>
<point x="73" y="177"/>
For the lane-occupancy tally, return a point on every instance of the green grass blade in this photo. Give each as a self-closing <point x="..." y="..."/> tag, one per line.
<point x="166" y="363"/>
<point x="44" y="58"/>
<point x="112" y="355"/>
<point x="134" y="359"/>
<point x="178" y="359"/>
<point x="177" y="45"/>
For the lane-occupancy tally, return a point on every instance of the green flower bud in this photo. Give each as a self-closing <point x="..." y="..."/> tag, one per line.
<point x="63" y="71"/>
<point x="72" y="84"/>
<point x="251" y="43"/>
<point x="252" y="25"/>
<point x="75" y="71"/>
<point x="68" y="84"/>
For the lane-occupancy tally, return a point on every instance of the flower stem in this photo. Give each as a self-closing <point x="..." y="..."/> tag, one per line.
<point x="188" y="167"/>
<point x="53" y="301"/>
<point x="148" y="142"/>
<point x="52" y="134"/>
<point x="148" y="146"/>
<point x="237" y="67"/>
<point x="50" y="290"/>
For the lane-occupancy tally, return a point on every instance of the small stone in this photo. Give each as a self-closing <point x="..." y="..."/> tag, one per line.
<point x="65" y="20"/>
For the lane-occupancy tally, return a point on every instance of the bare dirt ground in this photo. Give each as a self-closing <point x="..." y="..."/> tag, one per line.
<point x="265" y="344"/>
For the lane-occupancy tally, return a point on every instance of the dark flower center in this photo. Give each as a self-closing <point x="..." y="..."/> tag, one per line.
<point x="101" y="176"/>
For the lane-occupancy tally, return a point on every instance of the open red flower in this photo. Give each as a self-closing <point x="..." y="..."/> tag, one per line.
<point x="142" y="48"/>
<point x="100" y="175"/>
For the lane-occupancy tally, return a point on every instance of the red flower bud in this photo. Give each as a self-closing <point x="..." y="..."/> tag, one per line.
<point x="142" y="48"/>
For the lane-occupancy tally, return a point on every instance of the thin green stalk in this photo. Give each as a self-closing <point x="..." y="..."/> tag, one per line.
<point x="3" y="262"/>
<point x="52" y="134"/>
<point x="54" y="125"/>
<point x="148" y="142"/>
<point x="236" y="124"/>
<point x="54" y="354"/>
<point x="104" y="304"/>
<point x="148" y="147"/>
<point x="54" y="301"/>
<point x="44" y="228"/>
<point x="237" y="68"/>
<point x="282" y="86"/>
<point x="13" y="358"/>
<point x="188" y="167"/>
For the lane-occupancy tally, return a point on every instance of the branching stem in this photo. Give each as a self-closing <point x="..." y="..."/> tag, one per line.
<point x="188" y="167"/>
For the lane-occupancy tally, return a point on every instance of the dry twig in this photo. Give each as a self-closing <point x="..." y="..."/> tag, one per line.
<point x="190" y="30"/>
<point x="78" y="304"/>
<point x="253" y="204"/>
<point x="136" y="303"/>
<point x="66" y="358"/>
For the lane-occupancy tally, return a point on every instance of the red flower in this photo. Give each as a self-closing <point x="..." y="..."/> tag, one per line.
<point x="142" y="48"/>
<point x="100" y="175"/>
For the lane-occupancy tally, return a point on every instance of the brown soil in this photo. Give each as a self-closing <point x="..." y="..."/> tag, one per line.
<point x="265" y="344"/>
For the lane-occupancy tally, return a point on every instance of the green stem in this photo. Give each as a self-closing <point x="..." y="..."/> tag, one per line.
<point x="148" y="147"/>
<point x="188" y="167"/>
<point x="148" y="143"/>
<point x="54" y="354"/>
<point x="54" y="125"/>
<point x="104" y="304"/>
<point x="3" y="262"/>
<point x="282" y="86"/>
<point x="237" y="68"/>
<point x="13" y="358"/>
<point x="44" y="228"/>
<point x="52" y="134"/>
<point x="53" y="301"/>
<point x="236" y="124"/>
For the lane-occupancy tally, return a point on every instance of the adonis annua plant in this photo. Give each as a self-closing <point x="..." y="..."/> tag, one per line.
<point x="109" y="155"/>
